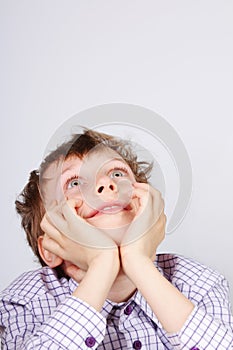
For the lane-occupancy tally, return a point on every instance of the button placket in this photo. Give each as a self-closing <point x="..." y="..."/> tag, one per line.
<point x="128" y="310"/>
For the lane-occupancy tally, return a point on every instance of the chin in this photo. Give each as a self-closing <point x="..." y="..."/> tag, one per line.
<point x="116" y="234"/>
<point x="115" y="226"/>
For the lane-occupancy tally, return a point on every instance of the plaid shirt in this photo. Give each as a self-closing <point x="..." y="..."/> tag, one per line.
<point x="37" y="311"/>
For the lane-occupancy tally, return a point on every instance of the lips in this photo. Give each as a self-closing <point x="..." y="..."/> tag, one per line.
<point x="109" y="208"/>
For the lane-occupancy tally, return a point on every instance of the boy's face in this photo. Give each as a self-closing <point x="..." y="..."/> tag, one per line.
<point x="103" y="181"/>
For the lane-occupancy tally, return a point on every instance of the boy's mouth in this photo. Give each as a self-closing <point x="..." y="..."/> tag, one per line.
<point x="109" y="208"/>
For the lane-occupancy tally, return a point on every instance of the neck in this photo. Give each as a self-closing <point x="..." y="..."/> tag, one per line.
<point x="122" y="288"/>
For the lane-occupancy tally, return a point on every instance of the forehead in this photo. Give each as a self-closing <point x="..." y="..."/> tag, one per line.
<point x="101" y="154"/>
<point x="94" y="159"/>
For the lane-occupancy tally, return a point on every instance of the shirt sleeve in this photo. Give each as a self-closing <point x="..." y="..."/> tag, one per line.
<point x="210" y="325"/>
<point x="73" y="325"/>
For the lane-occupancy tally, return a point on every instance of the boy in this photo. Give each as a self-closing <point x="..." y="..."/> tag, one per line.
<point x="95" y="224"/>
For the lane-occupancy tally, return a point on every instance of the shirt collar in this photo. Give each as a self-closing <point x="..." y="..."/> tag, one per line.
<point x="72" y="285"/>
<point x="137" y="298"/>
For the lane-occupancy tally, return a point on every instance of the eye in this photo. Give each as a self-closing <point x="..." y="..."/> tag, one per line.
<point x="73" y="182"/>
<point x="118" y="173"/>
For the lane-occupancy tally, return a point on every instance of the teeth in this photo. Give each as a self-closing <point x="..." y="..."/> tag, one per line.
<point x="110" y="208"/>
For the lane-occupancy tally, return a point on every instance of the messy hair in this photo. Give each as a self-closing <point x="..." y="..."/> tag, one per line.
<point x="29" y="204"/>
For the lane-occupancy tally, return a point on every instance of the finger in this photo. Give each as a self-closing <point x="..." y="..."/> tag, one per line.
<point x="57" y="219"/>
<point x="147" y="215"/>
<point x="142" y="185"/>
<point x="76" y="222"/>
<point x="49" y="228"/>
<point x="44" y="223"/>
<point x="157" y="202"/>
<point x="146" y="187"/>
<point x="53" y="204"/>
<point x="74" y="203"/>
<point x="66" y="220"/>
<point x="69" y="211"/>
<point x="83" y="232"/>
<point x="144" y="197"/>
<point x="52" y="246"/>
<point x="53" y="233"/>
<point x="161" y="222"/>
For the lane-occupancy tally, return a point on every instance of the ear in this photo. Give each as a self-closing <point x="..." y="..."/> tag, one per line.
<point x="49" y="258"/>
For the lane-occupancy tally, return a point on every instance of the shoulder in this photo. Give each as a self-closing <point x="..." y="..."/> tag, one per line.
<point x="34" y="285"/>
<point x="188" y="274"/>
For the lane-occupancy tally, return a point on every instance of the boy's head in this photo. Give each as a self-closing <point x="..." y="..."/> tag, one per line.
<point x="89" y="163"/>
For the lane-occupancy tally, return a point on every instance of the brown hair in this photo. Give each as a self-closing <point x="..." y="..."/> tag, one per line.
<point x="29" y="204"/>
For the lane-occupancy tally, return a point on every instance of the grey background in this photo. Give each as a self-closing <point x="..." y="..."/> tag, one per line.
<point x="173" y="57"/>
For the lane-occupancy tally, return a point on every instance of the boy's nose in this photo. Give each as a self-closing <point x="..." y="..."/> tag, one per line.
<point x="106" y="186"/>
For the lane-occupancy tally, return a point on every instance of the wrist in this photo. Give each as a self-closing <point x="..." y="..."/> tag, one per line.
<point x="98" y="280"/>
<point x="132" y="263"/>
<point x="106" y="260"/>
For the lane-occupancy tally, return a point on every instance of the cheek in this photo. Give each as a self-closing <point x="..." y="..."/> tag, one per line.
<point x="73" y="194"/>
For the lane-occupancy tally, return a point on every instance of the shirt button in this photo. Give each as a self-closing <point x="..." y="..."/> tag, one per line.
<point x="194" y="348"/>
<point x="90" y="342"/>
<point x="137" y="345"/>
<point x="128" y="309"/>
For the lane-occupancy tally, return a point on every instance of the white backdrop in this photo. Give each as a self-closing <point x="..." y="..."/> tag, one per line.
<point x="173" y="57"/>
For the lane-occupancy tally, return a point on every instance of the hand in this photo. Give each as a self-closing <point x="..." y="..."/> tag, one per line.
<point x="73" y="271"/>
<point x="62" y="225"/>
<point x="147" y="230"/>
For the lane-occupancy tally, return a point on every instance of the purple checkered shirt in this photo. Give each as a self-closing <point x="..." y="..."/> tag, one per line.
<point x="37" y="311"/>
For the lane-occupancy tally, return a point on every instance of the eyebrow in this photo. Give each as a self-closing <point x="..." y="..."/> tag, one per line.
<point x="121" y="159"/>
<point x="71" y="167"/>
<point x="66" y="169"/>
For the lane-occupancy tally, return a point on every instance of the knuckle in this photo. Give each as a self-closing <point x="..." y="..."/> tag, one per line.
<point x="43" y="224"/>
